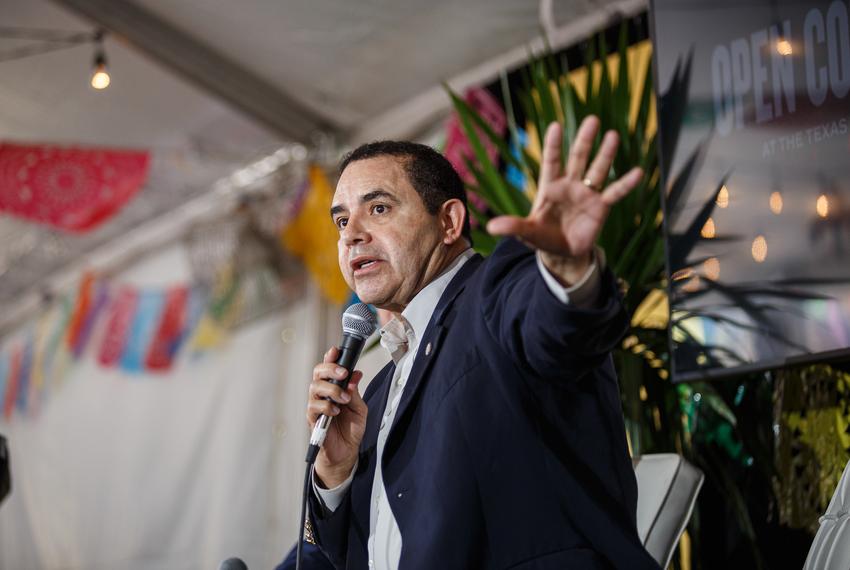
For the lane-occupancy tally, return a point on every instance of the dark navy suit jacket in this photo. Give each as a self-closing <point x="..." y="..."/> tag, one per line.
<point x="508" y="448"/>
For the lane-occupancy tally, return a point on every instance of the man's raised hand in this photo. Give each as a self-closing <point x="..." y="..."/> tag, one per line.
<point x="569" y="210"/>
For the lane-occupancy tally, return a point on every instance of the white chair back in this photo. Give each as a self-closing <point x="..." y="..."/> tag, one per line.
<point x="831" y="547"/>
<point x="667" y="492"/>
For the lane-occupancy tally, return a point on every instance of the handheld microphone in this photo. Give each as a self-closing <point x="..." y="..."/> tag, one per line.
<point x="232" y="564"/>
<point x="358" y="324"/>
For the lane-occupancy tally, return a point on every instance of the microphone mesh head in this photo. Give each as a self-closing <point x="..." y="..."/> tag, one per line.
<point x="359" y="320"/>
<point x="232" y="564"/>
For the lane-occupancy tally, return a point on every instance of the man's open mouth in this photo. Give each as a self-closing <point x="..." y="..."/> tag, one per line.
<point x="363" y="263"/>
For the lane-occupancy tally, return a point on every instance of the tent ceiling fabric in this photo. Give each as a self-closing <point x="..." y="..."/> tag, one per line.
<point x="47" y="98"/>
<point x="347" y="66"/>
<point x="204" y="65"/>
<point x="349" y="61"/>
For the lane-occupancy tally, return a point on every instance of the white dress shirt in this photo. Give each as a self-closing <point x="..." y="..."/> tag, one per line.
<point x="401" y="339"/>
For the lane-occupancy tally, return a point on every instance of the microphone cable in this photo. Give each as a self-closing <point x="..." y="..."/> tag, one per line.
<point x="304" y="498"/>
<point x="358" y="324"/>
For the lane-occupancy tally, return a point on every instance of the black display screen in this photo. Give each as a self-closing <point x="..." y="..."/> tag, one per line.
<point x="754" y="122"/>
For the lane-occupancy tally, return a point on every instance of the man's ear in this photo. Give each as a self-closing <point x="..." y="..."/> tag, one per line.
<point x="452" y="215"/>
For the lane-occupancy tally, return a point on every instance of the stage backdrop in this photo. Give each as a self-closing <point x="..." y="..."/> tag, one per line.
<point x="176" y="470"/>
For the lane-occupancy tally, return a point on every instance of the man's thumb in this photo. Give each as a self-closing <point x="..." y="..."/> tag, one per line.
<point x="506" y="226"/>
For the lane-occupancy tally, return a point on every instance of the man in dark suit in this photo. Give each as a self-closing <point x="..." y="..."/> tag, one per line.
<point x="495" y="438"/>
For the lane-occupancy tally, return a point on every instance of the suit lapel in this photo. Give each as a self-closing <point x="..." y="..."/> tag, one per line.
<point x="431" y="342"/>
<point x="361" y="491"/>
<point x="382" y="382"/>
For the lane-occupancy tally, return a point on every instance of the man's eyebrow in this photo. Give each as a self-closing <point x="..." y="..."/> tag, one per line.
<point x="377" y="193"/>
<point x="367" y="197"/>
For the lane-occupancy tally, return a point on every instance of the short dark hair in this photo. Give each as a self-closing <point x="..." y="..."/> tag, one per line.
<point x="429" y="172"/>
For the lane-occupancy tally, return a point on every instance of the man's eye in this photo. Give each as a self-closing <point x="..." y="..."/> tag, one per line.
<point x="379" y="209"/>
<point x="341" y="222"/>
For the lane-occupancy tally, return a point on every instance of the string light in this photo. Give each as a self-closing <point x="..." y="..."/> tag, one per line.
<point x="40" y="41"/>
<point x="100" y="76"/>
<point x="784" y="47"/>
<point x="723" y="197"/>
<point x="707" y="230"/>
<point x="822" y="206"/>
<point x="776" y="203"/>
<point x="759" y="249"/>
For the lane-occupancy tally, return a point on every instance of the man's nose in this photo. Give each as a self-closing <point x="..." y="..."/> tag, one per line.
<point x="355" y="231"/>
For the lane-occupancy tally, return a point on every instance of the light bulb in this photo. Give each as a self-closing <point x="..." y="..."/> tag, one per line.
<point x="822" y="206"/>
<point x="784" y="47"/>
<point x="100" y="78"/>
<point x="776" y="203"/>
<point x="723" y="197"/>
<point x="708" y="231"/>
<point x="759" y="249"/>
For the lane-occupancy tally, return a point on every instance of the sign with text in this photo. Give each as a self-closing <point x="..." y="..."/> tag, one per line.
<point x="754" y="121"/>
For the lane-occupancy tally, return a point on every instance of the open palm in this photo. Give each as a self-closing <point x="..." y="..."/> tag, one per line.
<point x="569" y="211"/>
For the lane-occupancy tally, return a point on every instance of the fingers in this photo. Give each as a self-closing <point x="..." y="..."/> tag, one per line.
<point x="356" y="405"/>
<point x="527" y="230"/>
<point x="597" y="173"/>
<point x="582" y="145"/>
<point x="550" y="166"/>
<point x="316" y="408"/>
<point x="326" y="399"/>
<point x="331" y="355"/>
<point x="506" y="226"/>
<point x="622" y="186"/>
<point x="324" y="372"/>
